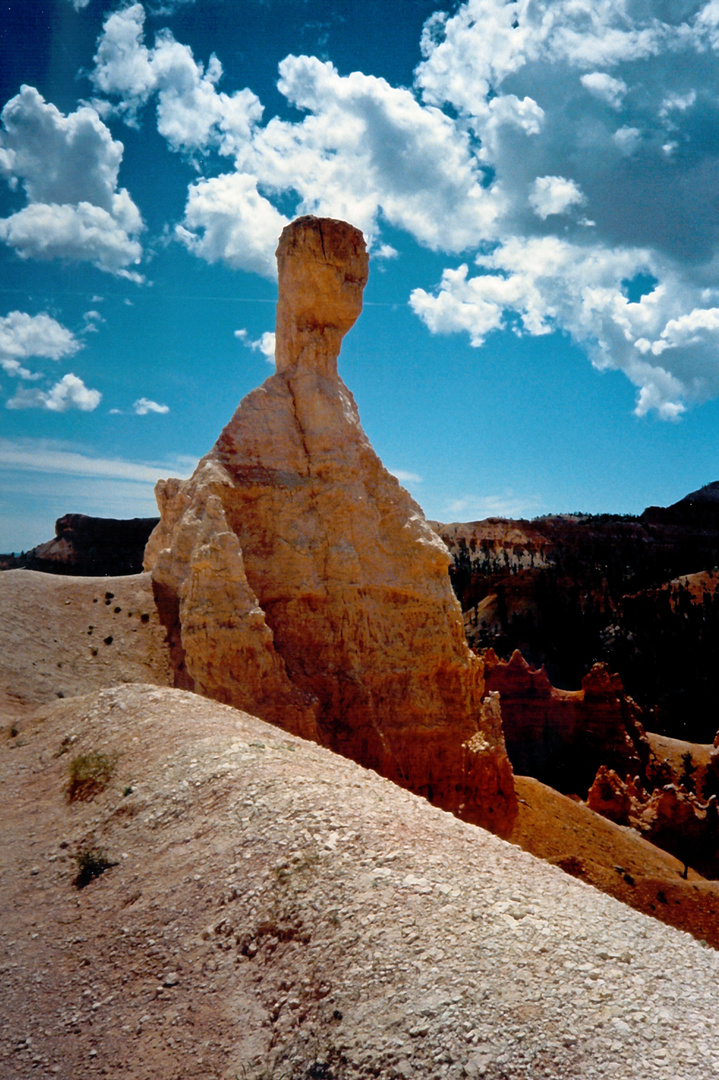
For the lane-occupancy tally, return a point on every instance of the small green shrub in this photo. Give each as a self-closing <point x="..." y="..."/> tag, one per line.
<point x="89" y="774"/>
<point x="90" y="864"/>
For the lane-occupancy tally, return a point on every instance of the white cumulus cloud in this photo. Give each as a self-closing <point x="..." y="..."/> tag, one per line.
<point x="69" y="392"/>
<point x="265" y="344"/>
<point x="554" y="195"/>
<point x="547" y="283"/>
<point x="627" y="140"/>
<point x="643" y="171"/>
<point x="365" y="150"/>
<point x="23" y="336"/>
<point x="84" y="232"/>
<point x="521" y="115"/>
<point x="227" y="220"/>
<point x="68" y="167"/>
<point x="678" y="101"/>
<point x="191" y="113"/>
<point x="605" y="87"/>
<point x="488" y="41"/>
<point x="144" y="405"/>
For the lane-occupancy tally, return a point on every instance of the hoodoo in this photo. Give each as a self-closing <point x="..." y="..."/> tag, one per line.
<point x="301" y="582"/>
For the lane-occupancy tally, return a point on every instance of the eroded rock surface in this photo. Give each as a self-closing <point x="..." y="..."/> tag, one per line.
<point x="306" y="585"/>
<point x="670" y="817"/>
<point x="563" y="736"/>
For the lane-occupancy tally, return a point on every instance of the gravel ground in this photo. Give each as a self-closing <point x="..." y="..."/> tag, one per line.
<point x="277" y="911"/>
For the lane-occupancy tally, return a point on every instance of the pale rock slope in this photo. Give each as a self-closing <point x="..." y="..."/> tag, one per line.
<point x="61" y="636"/>
<point x="300" y="582"/>
<point x="276" y="911"/>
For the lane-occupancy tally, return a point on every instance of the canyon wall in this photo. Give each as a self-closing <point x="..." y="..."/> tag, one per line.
<point x="562" y="737"/>
<point x="638" y="593"/>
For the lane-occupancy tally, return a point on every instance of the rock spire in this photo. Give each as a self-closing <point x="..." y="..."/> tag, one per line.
<point x="300" y="582"/>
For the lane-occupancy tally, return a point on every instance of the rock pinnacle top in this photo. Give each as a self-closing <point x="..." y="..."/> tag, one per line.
<point x="323" y="269"/>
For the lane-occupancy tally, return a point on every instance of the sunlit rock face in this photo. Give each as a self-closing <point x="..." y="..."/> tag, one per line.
<point x="302" y="583"/>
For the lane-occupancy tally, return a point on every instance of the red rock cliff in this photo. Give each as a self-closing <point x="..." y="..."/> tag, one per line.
<point x="562" y="736"/>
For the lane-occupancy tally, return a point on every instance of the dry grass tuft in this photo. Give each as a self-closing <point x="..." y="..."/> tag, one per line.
<point x="89" y="774"/>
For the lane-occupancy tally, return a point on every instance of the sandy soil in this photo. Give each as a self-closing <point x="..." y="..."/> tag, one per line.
<point x="674" y="750"/>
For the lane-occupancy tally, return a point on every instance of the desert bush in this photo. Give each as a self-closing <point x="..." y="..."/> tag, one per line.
<point x="90" y="864"/>
<point x="89" y="774"/>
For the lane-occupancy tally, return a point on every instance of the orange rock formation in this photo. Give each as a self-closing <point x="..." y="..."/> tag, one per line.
<point x="302" y="583"/>
<point x="562" y="736"/>
<point x="670" y="817"/>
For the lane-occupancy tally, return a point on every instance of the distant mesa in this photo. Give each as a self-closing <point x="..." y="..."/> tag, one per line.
<point x="300" y="582"/>
<point x="709" y="494"/>
<point x="88" y="547"/>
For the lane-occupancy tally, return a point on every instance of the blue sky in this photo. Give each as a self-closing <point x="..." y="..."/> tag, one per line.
<point x="538" y="182"/>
